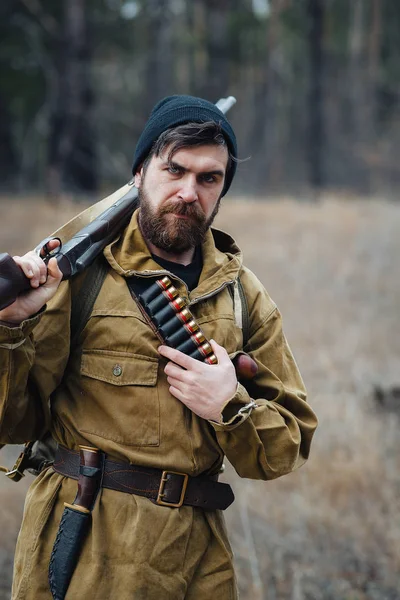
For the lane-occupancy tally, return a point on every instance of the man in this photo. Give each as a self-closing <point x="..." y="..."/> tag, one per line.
<point x="148" y="404"/>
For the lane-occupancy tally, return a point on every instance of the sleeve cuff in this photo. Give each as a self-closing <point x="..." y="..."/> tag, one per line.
<point x="12" y="337"/>
<point x="236" y="411"/>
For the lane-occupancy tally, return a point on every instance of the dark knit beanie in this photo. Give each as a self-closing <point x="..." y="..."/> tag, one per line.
<point x="177" y="110"/>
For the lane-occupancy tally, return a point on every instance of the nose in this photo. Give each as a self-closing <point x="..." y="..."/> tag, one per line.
<point x="188" y="190"/>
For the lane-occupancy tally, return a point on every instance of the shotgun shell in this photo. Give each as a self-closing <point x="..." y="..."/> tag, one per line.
<point x="206" y="349"/>
<point x="178" y="337"/>
<point x="153" y="291"/>
<point x="185" y="315"/>
<point x="183" y="333"/>
<point x="170" y="327"/>
<point x="164" y="283"/>
<point x="168" y="311"/>
<point x="161" y="300"/>
<point x="211" y="359"/>
<point x="187" y="347"/>
<point x="197" y="354"/>
<point x="190" y="345"/>
<point x="173" y="324"/>
<point x="191" y="327"/>
<point x="199" y="338"/>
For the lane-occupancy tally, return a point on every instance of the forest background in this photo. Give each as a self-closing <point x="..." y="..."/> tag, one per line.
<point x="314" y="208"/>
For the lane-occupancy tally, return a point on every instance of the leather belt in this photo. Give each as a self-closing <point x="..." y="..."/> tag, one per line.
<point x="166" y="488"/>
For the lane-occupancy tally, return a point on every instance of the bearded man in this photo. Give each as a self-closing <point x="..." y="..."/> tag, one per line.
<point x="149" y="410"/>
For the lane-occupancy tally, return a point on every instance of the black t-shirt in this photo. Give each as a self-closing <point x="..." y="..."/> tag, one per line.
<point x="190" y="274"/>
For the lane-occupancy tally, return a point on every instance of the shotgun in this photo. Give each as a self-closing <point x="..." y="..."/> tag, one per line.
<point x="77" y="253"/>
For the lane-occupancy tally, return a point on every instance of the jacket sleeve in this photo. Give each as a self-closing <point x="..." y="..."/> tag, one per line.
<point x="274" y="437"/>
<point x="33" y="357"/>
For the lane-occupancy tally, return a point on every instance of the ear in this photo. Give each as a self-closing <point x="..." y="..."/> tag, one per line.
<point x="138" y="178"/>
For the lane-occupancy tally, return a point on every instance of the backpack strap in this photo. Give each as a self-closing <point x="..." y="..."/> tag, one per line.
<point x="240" y="308"/>
<point x="83" y="299"/>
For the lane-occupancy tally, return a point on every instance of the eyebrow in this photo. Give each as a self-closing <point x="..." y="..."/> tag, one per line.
<point x="183" y="169"/>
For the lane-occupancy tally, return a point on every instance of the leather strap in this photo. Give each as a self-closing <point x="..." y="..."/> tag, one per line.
<point x="166" y="488"/>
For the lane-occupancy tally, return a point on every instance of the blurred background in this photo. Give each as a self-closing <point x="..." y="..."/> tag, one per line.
<point x="314" y="209"/>
<point x="317" y="84"/>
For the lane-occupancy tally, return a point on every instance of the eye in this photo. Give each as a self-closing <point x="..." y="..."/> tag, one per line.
<point x="174" y="169"/>
<point x="209" y="178"/>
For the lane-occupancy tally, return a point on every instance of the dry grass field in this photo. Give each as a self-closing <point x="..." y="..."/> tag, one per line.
<point x="330" y="531"/>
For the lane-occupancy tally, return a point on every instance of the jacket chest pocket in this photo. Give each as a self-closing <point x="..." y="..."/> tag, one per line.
<point x="121" y="397"/>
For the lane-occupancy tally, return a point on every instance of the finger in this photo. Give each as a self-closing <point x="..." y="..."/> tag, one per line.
<point x="49" y="247"/>
<point x="175" y="383"/>
<point x="175" y="371"/>
<point x="177" y="393"/>
<point x="30" y="268"/>
<point x="53" y="270"/>
<point x="220" y="353"/>
<point x="41" y="266"/>
<point x="38" y="263"/>
<point x="25" y="266"/>
<point x="179" y="358"/>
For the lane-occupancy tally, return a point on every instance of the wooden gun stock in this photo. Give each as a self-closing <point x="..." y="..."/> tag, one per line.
<point x="13" y="281"/>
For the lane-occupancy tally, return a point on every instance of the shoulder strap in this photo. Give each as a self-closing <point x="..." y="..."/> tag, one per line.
<point x="241" y="308"/>
<point x="83" y="301"/>
<point x="245" y="313"/>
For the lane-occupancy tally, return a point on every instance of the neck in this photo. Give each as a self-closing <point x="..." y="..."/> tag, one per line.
<point x="184" y="258"/>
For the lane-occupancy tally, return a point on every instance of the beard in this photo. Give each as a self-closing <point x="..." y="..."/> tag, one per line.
<point x="169" y="233"/>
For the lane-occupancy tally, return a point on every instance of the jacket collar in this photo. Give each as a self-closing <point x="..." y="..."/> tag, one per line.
<point x="129" y="255"/>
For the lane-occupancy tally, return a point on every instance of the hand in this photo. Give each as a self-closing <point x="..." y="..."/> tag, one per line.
<point x="203" y="388"/>
<point x="44" y="279"/>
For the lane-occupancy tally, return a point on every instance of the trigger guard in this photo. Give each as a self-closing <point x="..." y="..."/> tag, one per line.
<point x="42" y="247"/>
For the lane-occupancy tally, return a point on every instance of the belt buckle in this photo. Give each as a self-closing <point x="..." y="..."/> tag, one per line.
<point x="164" y="479"/>
<point x="17" y="472"/>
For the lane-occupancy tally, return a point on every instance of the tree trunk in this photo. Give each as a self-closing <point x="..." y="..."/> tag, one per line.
<point x="374" y="51"/>
<point x="71" y="160"/>
<point x="355" y="121"/>
<point x="264" y="132"/>
<point x="8" y="162"/>
<point x="217" y="22"/>
<point x="159" y="72"/>
<point x="315" y="98"/>
<point x="199" y="75"/>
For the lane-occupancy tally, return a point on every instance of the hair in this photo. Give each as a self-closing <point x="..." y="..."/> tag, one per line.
<point x="189" y="135"/>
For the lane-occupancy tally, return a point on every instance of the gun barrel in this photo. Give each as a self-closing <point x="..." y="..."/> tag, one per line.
<point x="225" y="104"/>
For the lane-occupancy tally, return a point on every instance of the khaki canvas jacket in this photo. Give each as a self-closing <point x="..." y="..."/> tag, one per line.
<point x="111" y="392"/>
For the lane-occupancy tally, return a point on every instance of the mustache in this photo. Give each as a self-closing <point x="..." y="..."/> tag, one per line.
<point x="184" y="209"/>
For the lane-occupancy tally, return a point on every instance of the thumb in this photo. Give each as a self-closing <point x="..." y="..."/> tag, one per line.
<point x="53" y="271"/>
<point x="220" y="352"/>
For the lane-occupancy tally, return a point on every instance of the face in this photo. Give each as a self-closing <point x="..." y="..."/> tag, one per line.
<point x="180" y="198"/>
